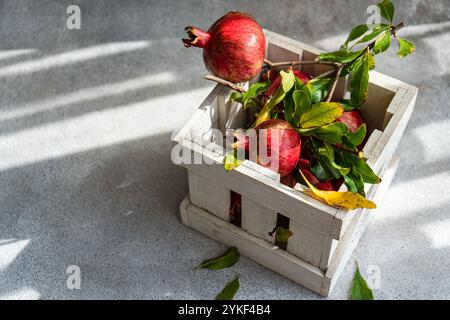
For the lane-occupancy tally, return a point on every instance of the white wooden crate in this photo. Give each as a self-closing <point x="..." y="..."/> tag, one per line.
<point x="323" y="236"/>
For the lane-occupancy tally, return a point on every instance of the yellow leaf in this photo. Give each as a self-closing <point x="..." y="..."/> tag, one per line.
<point x="231" y="162"/>
<point x="263" y="116"/>
<point x="348" y="200"/>
<point x="321" y="114"/>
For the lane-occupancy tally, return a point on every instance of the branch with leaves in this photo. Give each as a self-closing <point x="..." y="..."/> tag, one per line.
<point x="334" y="150"/>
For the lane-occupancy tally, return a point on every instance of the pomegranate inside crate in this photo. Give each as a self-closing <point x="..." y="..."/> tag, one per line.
<point x="288" y="166"/>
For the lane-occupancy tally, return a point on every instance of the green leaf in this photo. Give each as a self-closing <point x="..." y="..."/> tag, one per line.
<point x="372" y="63"/>
<point x="332" y="133"/>
<point x="247" y="99"/>
<point x="342" y="56"/>
<point x="229" y="291"/>
<point x="328" y="152"/>
<point x="366" y="172"/>
<point x="375" y="33"/>
<point x="359" y="84"/>
<point x="319" y="171"/>
<point x="387" y="10"/>
<point x="355" y="139"/>
<point x="228" y="259"/>
<point x="406" y="47"/>
<point x="299" y="85"/>
<point x="318" y="89"/>
<point x="302" y="104"/>
<point x="321" y="114"/>
<point x="383" y="43"/>
<point x="282" y="235"/>
<point x="237" y="96"/>
<point x="350" y="183"/>
<point x="346" y="104"/>
<point x="289" y="110"/>
<point x="231" y="162"/>
<point x="287" y="80"/>
<point x="356" y="32"/>
<point x="355" y="183"/>
<point x="332" y="171"/>
<point x="360" y="289"/>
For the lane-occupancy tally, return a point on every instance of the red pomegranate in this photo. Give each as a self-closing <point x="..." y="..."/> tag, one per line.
<point x="304" y="166"/>
<point x="352" y="119"/>
<point x="285" y="149"/>
<point x="303" y="77"/>
<point x="233" y="48"/>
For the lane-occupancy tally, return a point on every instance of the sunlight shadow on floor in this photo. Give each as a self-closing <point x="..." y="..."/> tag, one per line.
<point x="9" y="54"/>
<point x="21" y="294"/>
<point x="439" y="233"/>
<point x="10" y="250"/>
<point x="92" y="130"/>
<point x="70" y="57"/>
<point x="88" y="94"/>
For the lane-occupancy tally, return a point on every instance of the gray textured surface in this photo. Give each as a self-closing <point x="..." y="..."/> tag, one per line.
<point x="85" y="172"/>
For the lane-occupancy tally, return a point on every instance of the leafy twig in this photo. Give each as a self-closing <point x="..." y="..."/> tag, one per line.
<point x="369" y="47"/>
<point x="338" y="146"/>
<point x="298" y="63"/>
<point x="325" y="74"/>
<point x="335" y="82"/>
<point x="225" y="83"/>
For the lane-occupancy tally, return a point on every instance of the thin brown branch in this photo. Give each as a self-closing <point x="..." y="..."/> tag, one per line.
<point x="335" y="82"/>
<point x="325" y="74"/>
<point x="229" y="84"/>
<point x="301" y="63"/>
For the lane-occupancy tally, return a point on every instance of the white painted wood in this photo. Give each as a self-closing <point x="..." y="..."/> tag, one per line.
<point x="291" y="44"/>
<point x="393" y="133"/>
<point x="206" y="110"/>
<point x="370" y="152"/>
<point x="277" y="52"/>
<point x="262" y="189"/>
<point x="209" y="195"/>
<point x="309" y="245"/>
<point x="354" y="232"/>
<point x="258" y="220"/>
<point x="254" y="248"/>
<point x="237" y="117"/>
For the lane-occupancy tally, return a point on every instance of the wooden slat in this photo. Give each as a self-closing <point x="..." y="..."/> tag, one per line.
<point x="209" y="195"/>
<point x="370" y="152"/>
<point x="257" y="219"/>
<point x="309" y="245"/>
<point x="392" y="134"/>
<point x="206" y="110"/>
<point x="252" y="247"/>
<point x="264" y="190"/>
<point x="354" y="232"/>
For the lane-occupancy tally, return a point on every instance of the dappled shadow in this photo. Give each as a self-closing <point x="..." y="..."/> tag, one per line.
<point x="112" y="211"/>
<point x="110" y="206"/>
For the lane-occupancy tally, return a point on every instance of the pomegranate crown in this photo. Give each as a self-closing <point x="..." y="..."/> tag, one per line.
<point x="197" y="37"/>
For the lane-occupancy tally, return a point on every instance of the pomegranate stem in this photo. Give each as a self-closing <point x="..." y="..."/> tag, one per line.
<point x="225" y="83"/>
<point x="299" y="63"/>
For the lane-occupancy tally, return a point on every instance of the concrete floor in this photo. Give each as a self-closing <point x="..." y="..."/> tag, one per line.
<point x="85" y="173"/>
